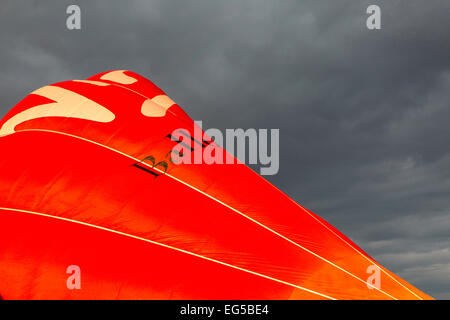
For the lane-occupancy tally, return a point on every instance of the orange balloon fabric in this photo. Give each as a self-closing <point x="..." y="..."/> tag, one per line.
<point x="86" y="180"/>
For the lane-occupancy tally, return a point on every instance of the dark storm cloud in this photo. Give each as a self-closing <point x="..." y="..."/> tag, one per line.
<point x="362" y="114"/>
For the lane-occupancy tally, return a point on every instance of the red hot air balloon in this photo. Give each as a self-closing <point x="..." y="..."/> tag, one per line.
<point x="92" y="207"/>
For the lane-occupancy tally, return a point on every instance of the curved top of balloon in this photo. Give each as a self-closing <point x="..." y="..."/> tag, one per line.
<point x="86" y="183"/>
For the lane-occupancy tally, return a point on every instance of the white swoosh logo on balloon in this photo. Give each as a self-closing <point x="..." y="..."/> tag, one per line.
<point x="67" y="104"/>
<point x="157" y="106"/>
<point x="118" y="76"/>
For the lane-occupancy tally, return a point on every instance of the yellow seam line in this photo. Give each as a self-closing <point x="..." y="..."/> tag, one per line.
<point x="166" y="246"/>
<point x="224" y="204"/>
<point x="334" y="233"/>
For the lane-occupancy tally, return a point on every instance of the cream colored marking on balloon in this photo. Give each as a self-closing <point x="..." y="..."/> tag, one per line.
<point x="97" y="83"/>
<point x="164" y="101"/>
<point x="157" y="106"/>
<point x="167" y="99"/>
<point x="118" y="76"/>
<point x="67" y="104"/>
<point x="168" y="247"/>
<point x="152" y="109"/>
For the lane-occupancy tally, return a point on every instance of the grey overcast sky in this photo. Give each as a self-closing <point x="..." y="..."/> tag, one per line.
<point x="363" y="115"/>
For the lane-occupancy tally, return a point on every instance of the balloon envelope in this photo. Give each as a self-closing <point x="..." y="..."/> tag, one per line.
<point x="94" y="206"/>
